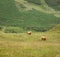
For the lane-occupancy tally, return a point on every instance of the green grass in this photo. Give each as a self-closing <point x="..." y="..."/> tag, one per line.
<point x="31" y="20"/>
<point x="24" y="45"/>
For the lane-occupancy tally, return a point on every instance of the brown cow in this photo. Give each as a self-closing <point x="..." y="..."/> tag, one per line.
<point x="29" y="32"/>
<point x="43" y="37"/>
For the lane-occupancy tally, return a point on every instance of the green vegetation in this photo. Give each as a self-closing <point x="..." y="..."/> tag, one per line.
<point x="54" y="4"/>
<point x="13" y="30"/>
<point x="8" y="9"/>
<point x="38" y="2"/>
<point x="32" y="19"/>
<point x="56" y="28"/>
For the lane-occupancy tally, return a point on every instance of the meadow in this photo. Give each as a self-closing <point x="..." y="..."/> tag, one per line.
<point x="24" y="45"/>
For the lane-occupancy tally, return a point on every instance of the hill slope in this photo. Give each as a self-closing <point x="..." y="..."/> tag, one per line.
<point x="27" y="15"/>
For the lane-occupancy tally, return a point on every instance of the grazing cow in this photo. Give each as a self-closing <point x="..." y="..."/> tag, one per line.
<point x="29" y="32"/>
<point x="43" y="37"/>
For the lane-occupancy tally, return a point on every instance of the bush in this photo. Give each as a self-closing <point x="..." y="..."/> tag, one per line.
<point x="22" y="6"/>
<point x="34" y="1"/>
<point x="38" y="29"/>
<point x="53" y="2"/>
<point x="1" y="27"/>
<point x="13" y="30"/>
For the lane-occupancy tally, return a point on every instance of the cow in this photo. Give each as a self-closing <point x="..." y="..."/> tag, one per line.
<point x="29" y="32"/>
<point x="43" y="37"/>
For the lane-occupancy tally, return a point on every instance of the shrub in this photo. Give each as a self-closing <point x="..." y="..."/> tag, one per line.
<point x="38" y="29"/>
<point x="1" y="27"/>
<point x="34" y="1"/>
<point x="13" y="30"/>
<point x="22" y="6"/>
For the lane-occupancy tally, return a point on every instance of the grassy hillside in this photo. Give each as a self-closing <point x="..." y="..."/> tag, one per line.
<point x="27" y="15"/>
<point x="8" y="9"/>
